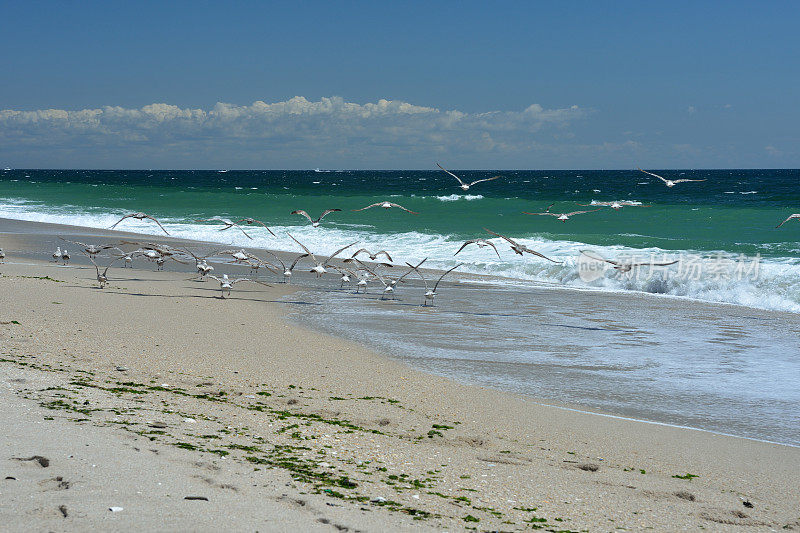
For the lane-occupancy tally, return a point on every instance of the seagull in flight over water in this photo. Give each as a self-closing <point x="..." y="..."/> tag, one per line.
<point x="466" y="186"/>
<point x="140" y="216"/>
<point x="314" y="223"/>
<point x="520" y="248"/>
<point x="482" y="243"/>
<point x="387" y="205"/>
<point x="563" y="217"/>
<point x="669" y="183"/>
<point x="624" y="266"/>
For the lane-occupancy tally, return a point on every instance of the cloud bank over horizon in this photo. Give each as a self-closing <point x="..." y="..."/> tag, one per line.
<point x="294" y="133"/>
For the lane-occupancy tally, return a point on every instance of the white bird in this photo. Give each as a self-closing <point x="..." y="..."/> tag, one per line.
<point x="250" y="221"/>
<point x="616" y="205"/>
<point x="228" y="224"/>
<point x="226" y="284"/>
<point x="624" y="266"/>
<point x="520" y="248"/>
<point x="790" y="217"/>
<point x="372" y="256"/>
<point x="287" y="270"/>
<point x="57" y="254"/>
<point x="563" y="217"/>
<point x="430" y="293"/>
<point x="90" y="249"/>
<point x="387" y="205"/>
<point x="319" y="267"/>
<point x="239" y="256"/>
<point x="669" y="183"/>
<point x="314" y="223"/>
<point x="466" y="186"/>
<point x="102" y="278"/>
<point x="345" y="273"/>
<point x="139" y="216"/>
<point x="482" y="243"/>
<point x="65" y="256"/>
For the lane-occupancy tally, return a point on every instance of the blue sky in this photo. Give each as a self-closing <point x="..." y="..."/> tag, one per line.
<point x="477" y="85"/>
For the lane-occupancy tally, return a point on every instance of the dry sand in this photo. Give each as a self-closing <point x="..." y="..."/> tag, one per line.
<point x="155" y="389"/>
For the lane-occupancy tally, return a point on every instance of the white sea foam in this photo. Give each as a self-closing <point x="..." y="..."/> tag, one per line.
<point x="456" y="197"/>
<point x="777" y="286"/>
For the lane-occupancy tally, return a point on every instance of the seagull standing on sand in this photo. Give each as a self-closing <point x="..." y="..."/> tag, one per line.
<point x="387" y="205"/>
<point x="563" y="217"/>
<point x="140" y="216"/>
<point x="319" y="267"/>
<point x="314" y="223"/>
<point x="482" y="243"/>
<point x="790" y="217"/>
<point x="65" y="256"/>
<point x="669" y="183"/>
<point x="2" y="256"/>
<point x="466" y="186"/>
<point x="57" y="254"/>
<point x="520" y="248"/>
<point x="430" y="294"/>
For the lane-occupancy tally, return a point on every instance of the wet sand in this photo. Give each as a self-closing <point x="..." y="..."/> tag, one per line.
<point x="313" y="430"/>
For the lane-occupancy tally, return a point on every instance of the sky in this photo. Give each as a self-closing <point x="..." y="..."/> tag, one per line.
<point x="361" y="85"/>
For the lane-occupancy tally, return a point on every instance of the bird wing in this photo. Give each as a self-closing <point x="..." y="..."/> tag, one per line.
<point x="301" y="212"/>
<point x="97" y="268"/>
<point x="512" y="241"/>
<point x="656" y="175"/>
<point x="326" y="212"/>
<point x="582" y="212"/>
<point x="157" y="222"/>
<point x="256" y="222"/>
<point x="412" y="269"/>
<point x="359" y="251"/>
<point x="683" y="180"/>
<point x="415" y="269"/>
<point x="534" y="252"/>
<point x="598" y="257"/>
<point x="302" y="246"/>
<point x="299" y="257"/>
<point x="465" y="245"/>
<point x="484" y="179"/>
<point x="548" y="213"/>
<point x="369" y="206"/>
<point x="790" y="217"/>
<point x="403" y="208"/>
<point x="456" y="177"/>
<point x="384" y="252"/>
<point x="340" y="250"/>
<point x="443" y="275"/>
<point x="120" y="220"/>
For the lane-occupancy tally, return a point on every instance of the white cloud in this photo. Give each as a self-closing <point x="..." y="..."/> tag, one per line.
<point x="293" y="128"/>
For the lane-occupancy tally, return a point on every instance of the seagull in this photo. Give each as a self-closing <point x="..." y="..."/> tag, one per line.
<point x="563" y="217"/>
<point x="90" y="249"/>
<point x="520" y="248"/>
<point x="372" y="256"/>
<point x="2" y="256"/>
<point x="65" y="256"/>
<point x="314" y="223"/>
<point x="796" y="215"/>
<point x="57" y="254"/>
<point x="250" y="221"/>
<point x="482" y="243"/>
<point x="319" y="268"/>
<point x="139" y="216"/>
<point x="616" y="205"/>
<point x="389" y="284"/>
<point x="226" y="284"/>
<point x="624" y="266"/>
<point x="239" y="256"/>
<point x="466" y="186"/>
<point x="345" y="275"/>
<point x="228" y="225"/>
<point x="430" y="294"/>
<point x="102" y="279"/>
<point x="287" y="271"/>
<point x="669" y="183"/>
<point x="387" y="205"/>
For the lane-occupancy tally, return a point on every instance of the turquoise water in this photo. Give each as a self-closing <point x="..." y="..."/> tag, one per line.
<point x="732" y="213"/>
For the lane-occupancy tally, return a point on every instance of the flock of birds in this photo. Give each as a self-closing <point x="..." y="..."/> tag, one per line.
<point x="351" y="270"/>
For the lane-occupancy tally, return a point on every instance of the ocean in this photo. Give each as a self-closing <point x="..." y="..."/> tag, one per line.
<point x="729" y="218"/>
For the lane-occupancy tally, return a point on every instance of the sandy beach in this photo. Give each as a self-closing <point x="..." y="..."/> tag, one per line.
<point x="190" y="412"/>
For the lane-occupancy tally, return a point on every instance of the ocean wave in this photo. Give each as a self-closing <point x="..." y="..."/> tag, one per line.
<point x="775" y="287"/>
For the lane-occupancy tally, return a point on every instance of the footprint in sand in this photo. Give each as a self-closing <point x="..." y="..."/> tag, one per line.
<point x="44" y="462"/>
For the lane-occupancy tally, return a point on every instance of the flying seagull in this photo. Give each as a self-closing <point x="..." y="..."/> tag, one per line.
<point x="482" y="243"/>
<point x="314" y="223"/>
<point x="624" y="266"/>
<point x="226" y="284"/>
<point x="430" y="294"/>
<point x="250" y="221"/>
<point x="387" y="205"/>
<point x="796" y="215"/>
<point x="563" y="217"/>
<point x="616" y="205"/>
<point x="140" y="216"/>
<point x="372" y="256"/>
<point x="90" y="249"/>
<point x="466" y="186"/>
<point x="669" y="183"/>
<point x="520" y="248"/>
<point x="228" y="224"/>
<point x="102" y="278"/>
<point x="319" y="267"/>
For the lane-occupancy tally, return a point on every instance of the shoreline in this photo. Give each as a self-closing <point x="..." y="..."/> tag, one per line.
<point x="508" y="447"/>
